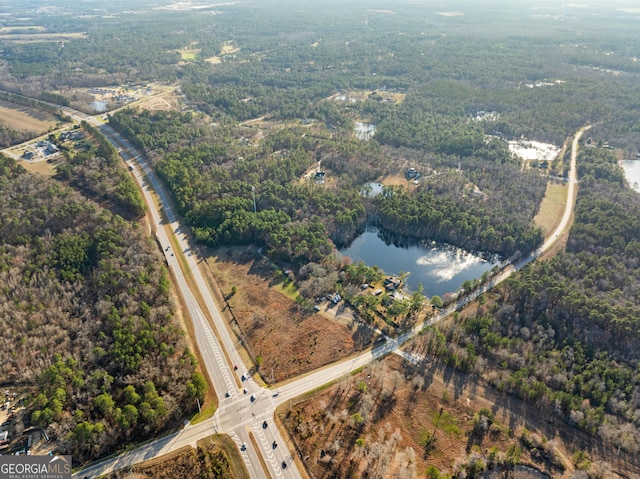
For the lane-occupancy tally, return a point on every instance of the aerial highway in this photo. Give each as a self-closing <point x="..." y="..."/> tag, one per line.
<point x="243" y="405"/>
<point x="246" y="409"/>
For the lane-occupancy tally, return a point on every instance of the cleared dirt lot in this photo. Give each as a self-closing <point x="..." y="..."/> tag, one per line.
<point x="282" y="337"/>
<point x="379" y="423"/>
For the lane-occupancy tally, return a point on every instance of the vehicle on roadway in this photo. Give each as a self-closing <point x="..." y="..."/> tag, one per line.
<point x="274" y="445"/>
<point x="275" y="394"/>
<point x="243" y="447"/>
<point x="253" y="397"/>
<point x="264" y="425"/>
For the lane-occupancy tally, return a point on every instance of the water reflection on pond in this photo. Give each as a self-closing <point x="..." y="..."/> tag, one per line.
<point x="441" y="269"/>
<point x="99" y="106"/>
<point x="632" y="173"/>
<point x="364" y="131"/>
<point x="372" y="189"/>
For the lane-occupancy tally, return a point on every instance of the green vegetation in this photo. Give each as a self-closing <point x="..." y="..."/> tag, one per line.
<point x="98" y="172"/>
<point x="563" y="334"/>
<point x="86" y="320"/>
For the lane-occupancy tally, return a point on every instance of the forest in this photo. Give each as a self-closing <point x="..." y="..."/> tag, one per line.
<point x="87" y="320"/>
<point x="563" y="334"/>
<point x="99" y="173"/>
<point x="262" y="111"/>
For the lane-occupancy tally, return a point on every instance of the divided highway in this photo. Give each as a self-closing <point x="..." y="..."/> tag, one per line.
<point x="246" y="409"/>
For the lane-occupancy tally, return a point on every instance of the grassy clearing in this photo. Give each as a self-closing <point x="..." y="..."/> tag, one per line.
<point x="23" y="28"/>
<point x="362" y="95"/>
<point x="551" y="208"/>
<point x="165" y="102"/>
<point x="228" y="48"/>
<point x="41" y="37"/>
<point x="41" y="167"/>
<point x="24" y="119"/>
<point x="189" y="55"/>
<point x="208" y="410"/>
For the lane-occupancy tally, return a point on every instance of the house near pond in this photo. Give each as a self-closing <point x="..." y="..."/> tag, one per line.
<point x="391" y="283"/>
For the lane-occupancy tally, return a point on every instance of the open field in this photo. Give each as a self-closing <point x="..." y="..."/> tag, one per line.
<point x="354" y="96"/>
<point x="41" y="37"/>
<point x="168" y="101"/>
<point x="40" y="167"/>
<point x="22" y="118"/>
<point x="189" y="52"/>
<point x="551" y="208"/>
<point x="189" y="55"/>
<point x="23" y="28"/>
<point x="282" y="337"/>
<point x="228" y="48"/>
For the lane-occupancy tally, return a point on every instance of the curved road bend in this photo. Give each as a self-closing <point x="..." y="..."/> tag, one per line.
<point x="239" y="415"/>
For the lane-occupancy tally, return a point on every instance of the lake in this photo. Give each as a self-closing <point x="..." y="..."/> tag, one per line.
<point x="441" y="269"/>
<point x="632" y="173"/>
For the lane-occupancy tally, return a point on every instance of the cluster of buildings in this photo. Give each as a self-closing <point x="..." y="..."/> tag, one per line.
<point x="22" y="443"/>
<point x="43" y="148"/>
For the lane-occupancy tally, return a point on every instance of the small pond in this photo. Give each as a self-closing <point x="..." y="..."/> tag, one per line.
<point x="99" y="106"/>
<point x="372" y="189"/>
<point x="632" y="173"/>
<point x="364" y="131"/>
<point x="441" y="269"/>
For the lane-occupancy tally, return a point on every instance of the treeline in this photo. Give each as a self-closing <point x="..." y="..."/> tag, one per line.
<point x="297" y="220"/>
<point x="563" y="333"/>
<point x="492" y="214"/>
<point x="98" y="172"/>
<point x="294" y="219"/>
<point x="86" y="315"/>
<point x="10" y="136"/>
<point x="34" y="103"/>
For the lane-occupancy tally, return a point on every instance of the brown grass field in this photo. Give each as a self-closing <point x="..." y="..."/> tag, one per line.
<point x="41" y="37"/>
<point x="168" y="101"/>
<point x="282" y="338"/>
<point x="362" y="95"/>
<point x="23" y="28"/>
<point x="216" y="457"/>
<point x="551" y="208"/>
<point x="25" y="119"/>
<point x="408" y="403"/>
<point x="41" y="167"/>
